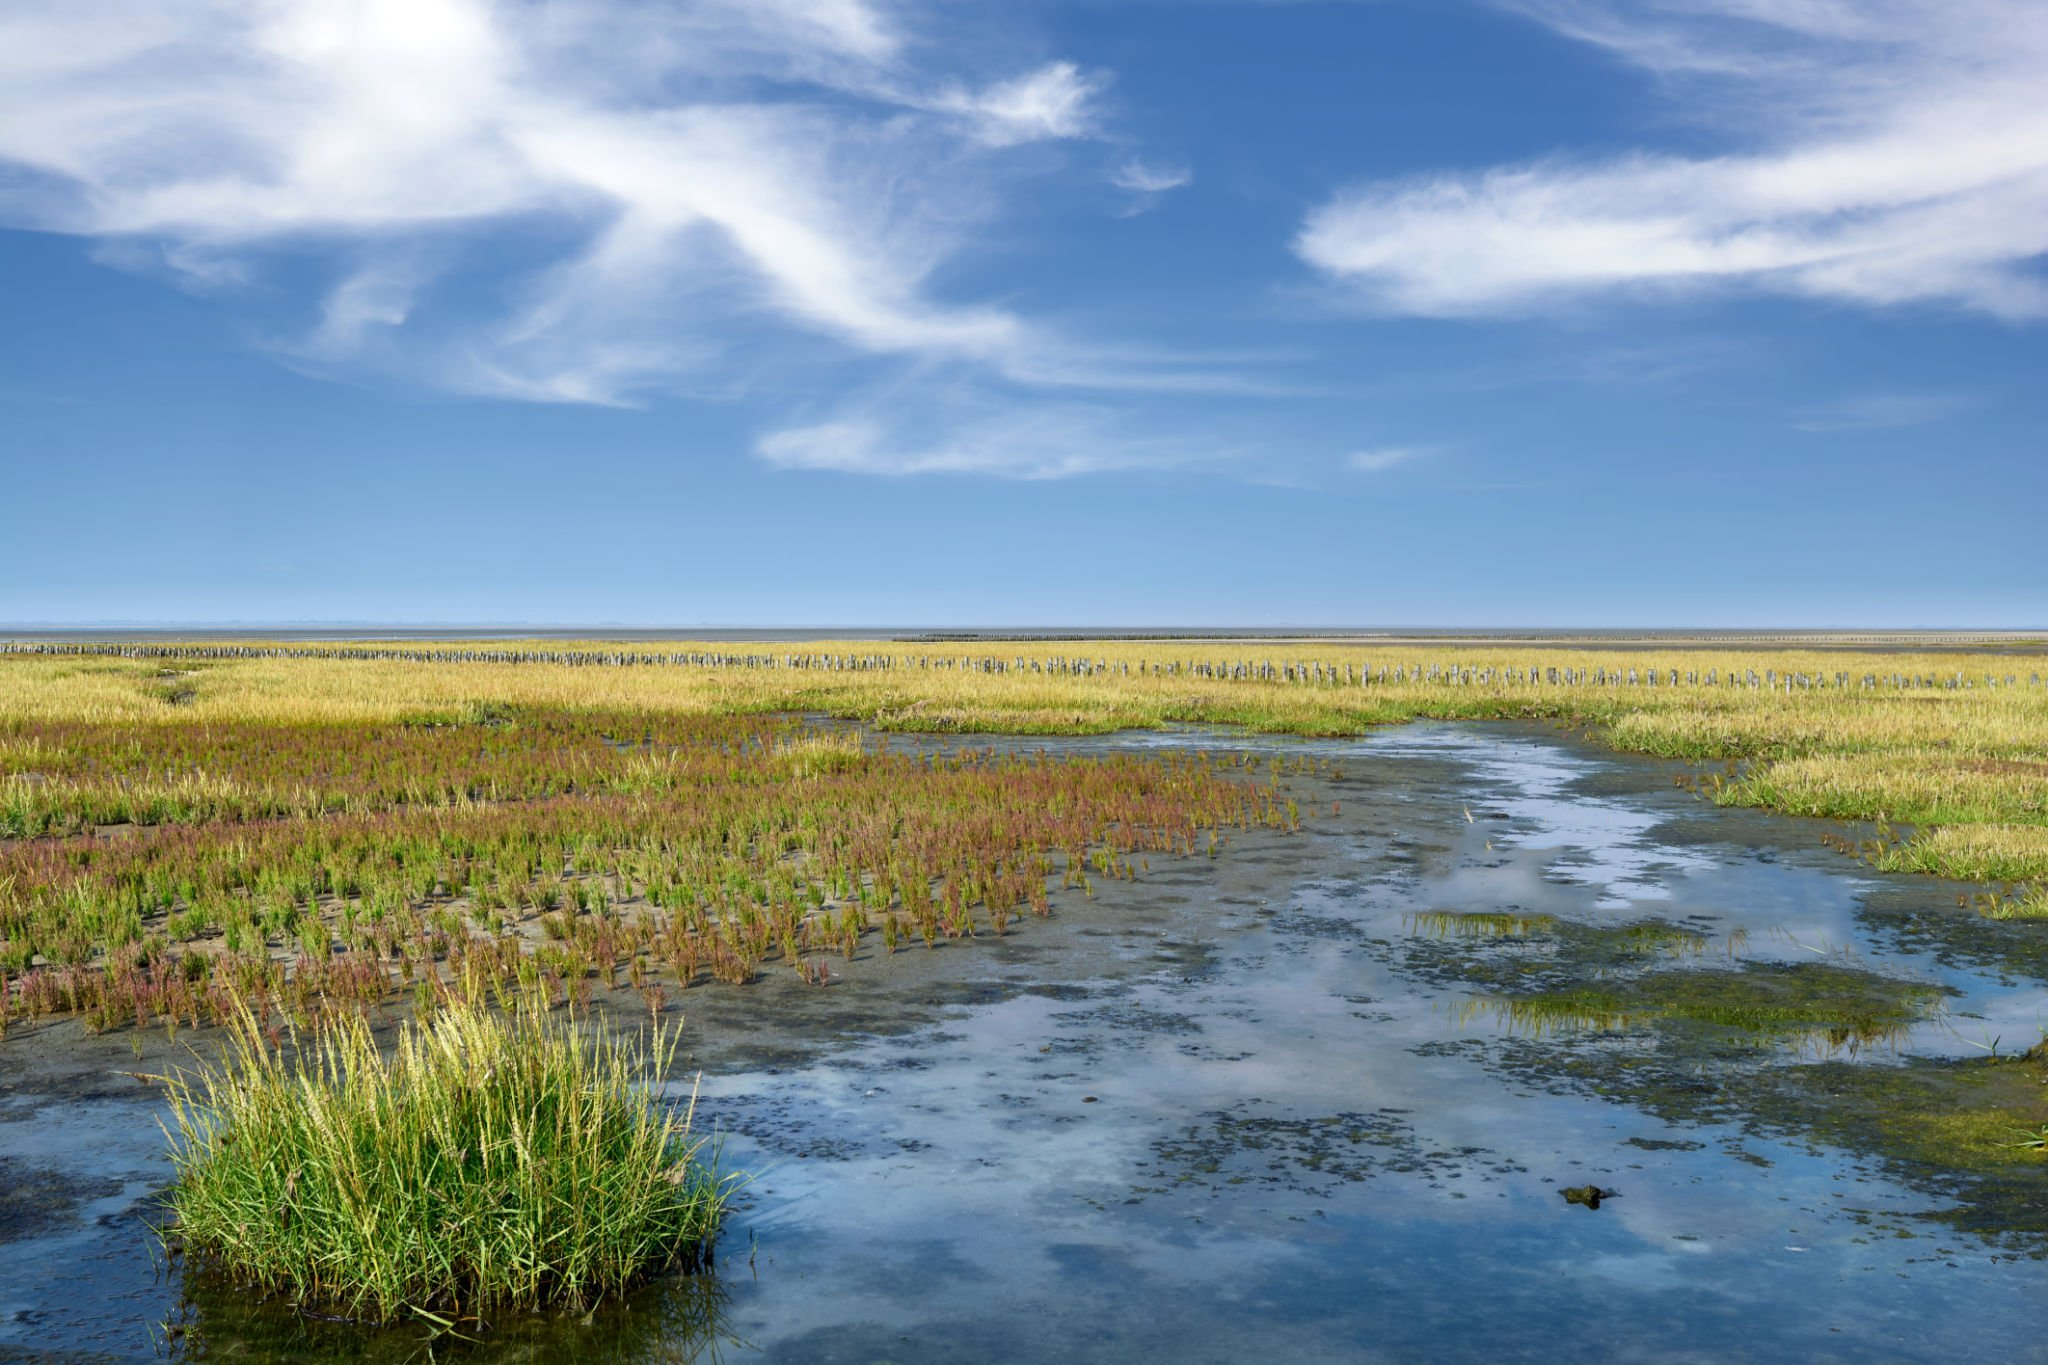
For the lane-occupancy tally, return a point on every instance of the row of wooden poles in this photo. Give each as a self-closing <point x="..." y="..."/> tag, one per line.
<point x="1243" y="670"/>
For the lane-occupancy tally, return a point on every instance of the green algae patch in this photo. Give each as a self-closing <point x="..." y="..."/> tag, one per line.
<point x="1977" y="1115"/>
<point x="1654" y="936"/>
<point x="1521" y="954"/>
<point x="1955" y="1130"/>
<point x="1840" y="1007"/>
<point x="1715" y="1046"/>
<point x="1608" y="944"/>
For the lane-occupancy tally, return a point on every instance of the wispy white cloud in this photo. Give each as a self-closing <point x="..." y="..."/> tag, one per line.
<point x="852" y="27"/>
<point x="1888" y="152"/>
<point x="1381" y="459"/>
<point x="378" y="296"/>
<point x="1055" y="101"/>
<point x="1881" y="411"/>
<point x="654" y="179"/>
<point x="1144" y="182"/>
<point x="1028" y="441"/>
<point x="1142" y="178"/>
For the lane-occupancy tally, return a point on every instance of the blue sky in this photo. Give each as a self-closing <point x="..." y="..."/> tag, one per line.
<point x="816" y="312"/>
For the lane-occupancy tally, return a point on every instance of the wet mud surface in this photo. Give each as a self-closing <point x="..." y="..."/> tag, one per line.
<point x="1514" y="1051"/>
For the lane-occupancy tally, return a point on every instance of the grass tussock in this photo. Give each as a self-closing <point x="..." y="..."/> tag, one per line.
<point x="488" y="1162"/>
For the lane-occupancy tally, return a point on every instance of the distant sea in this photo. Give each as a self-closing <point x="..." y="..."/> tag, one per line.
<point x="1931" y="637"/>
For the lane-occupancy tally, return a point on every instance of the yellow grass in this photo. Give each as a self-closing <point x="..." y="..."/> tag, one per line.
<point x="1926" y="757"/>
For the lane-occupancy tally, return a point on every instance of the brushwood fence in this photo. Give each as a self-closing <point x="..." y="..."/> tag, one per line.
<point x="1268" y="671"/>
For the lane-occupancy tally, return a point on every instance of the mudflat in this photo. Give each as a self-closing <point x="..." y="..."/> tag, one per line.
<point x="1327" y="1093"/>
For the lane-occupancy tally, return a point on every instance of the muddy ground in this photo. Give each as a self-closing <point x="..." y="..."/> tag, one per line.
<point x="1330" y="1095"/>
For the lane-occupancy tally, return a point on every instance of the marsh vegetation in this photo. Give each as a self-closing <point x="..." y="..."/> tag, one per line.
<point x="1474" y="963"/>
<point x="215" y="825"/>
<point x="670" y="856"/>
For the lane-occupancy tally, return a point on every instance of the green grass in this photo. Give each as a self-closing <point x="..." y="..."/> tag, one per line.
<point x="2029" y="904"/>
<point x="488" y="1162"/>
<point x="1479" y="924"/>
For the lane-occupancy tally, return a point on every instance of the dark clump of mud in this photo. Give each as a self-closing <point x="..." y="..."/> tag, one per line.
<point x="1310" y="1153"/>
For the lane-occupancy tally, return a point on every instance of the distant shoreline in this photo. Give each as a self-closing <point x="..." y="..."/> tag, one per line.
<point x="2023" y="640"/>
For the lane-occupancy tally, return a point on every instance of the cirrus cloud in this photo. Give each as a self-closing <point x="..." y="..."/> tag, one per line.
<point x="655" y="183"/>
<point x="1142" y="178"/>
<point x="1381" y="459"/>
<point x="1030" y="442"/>
<point x="1896" y="152"/>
